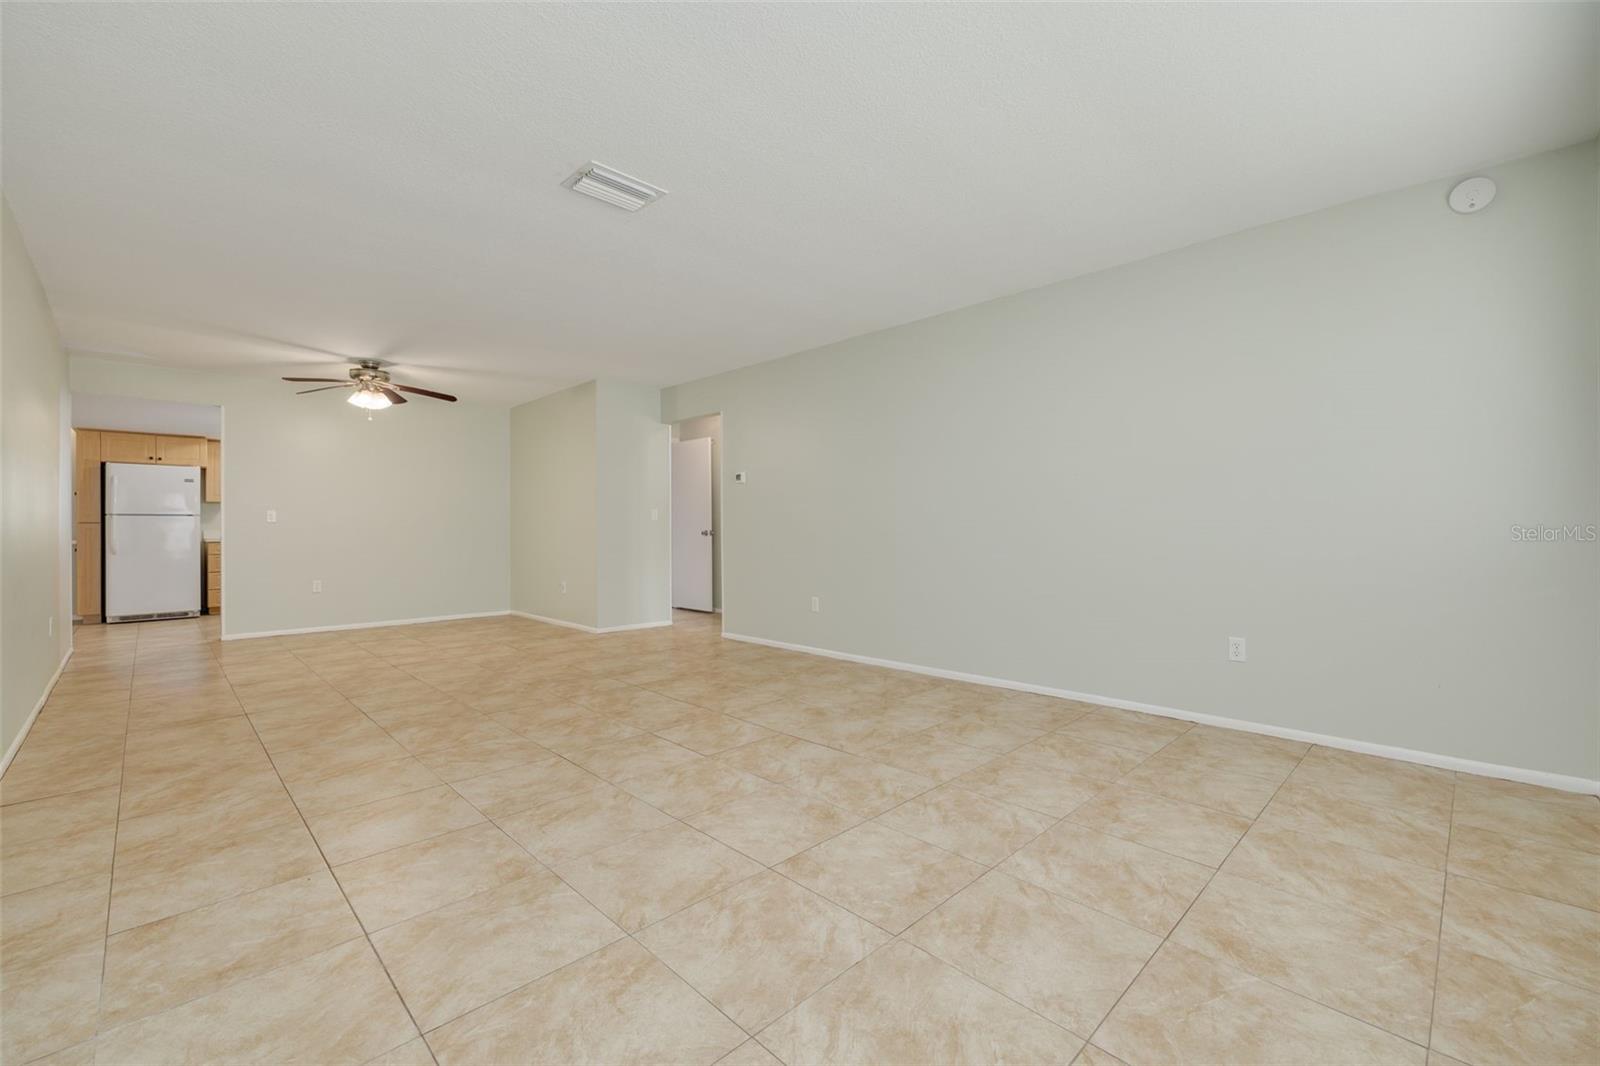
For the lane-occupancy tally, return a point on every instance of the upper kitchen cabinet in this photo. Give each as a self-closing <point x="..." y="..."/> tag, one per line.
<point x="86" y="475"/>
<point x="117" y="447"/>
<point x="180" y="451"/>
<point x="127" y="447"/>
<point x="211" y="472"/>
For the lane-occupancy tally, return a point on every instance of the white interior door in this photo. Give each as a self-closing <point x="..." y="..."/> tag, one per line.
<point x="691" y="524"/>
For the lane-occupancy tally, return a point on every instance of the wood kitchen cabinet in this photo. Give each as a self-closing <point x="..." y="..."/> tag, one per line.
<point x="117" y="447"/>
<point x="86" y="563"/>
<point x="211" y="472"/>
<point x="86" y="476"/>
<point x="86" y="451"/>
<point x="181" y="451"/>
<point x="213" y="557"/>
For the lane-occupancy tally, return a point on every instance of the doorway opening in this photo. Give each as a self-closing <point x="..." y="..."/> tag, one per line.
<point x="697" y="514"/>
<point x="146" y="511"/>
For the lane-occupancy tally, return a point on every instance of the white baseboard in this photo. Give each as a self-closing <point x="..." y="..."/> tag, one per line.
<point x="33" y="715"/>
<point x="634" y="625"/>
<point x="589" y="629"/>
<point x="1542" y="778"/>
<point x="364" y="625"/>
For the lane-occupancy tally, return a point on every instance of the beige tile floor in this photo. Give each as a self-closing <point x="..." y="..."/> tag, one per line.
<point x="500" y="841"/>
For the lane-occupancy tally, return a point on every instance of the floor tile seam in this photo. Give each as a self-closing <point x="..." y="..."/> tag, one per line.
<point x="366" y="935"/>
<point x="622" y="935"/>
<point x="1277" y="984"/>
<point x="1275" y="827"/>
<point x="988" y="867"/>
<point x="963" y="971"/>
<point x="1168" y="935"/>
<point x="219" y="988"/>
<point x="524" y="810"/>
<point x="901" y="938"/>
<point x="1336" y="905"/>
<point x="53" y="884"/>
<point x="1567" y="980"/>
<point x="1055" y="819"/>
<point x="1525" y="839"/>
<point x="111" y="880"/>
<point x="483" y="819"/>
<point x="1478" y="879"/>
<point x="630" y="934"/>
<point x="1130" y="840"/>
<point x="57" y="795"/>
<point x="1444" y="898"/>
<point x="409" y="791"/>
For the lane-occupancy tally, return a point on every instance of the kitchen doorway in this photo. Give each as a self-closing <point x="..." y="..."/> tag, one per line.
<point x="146" y="510"/>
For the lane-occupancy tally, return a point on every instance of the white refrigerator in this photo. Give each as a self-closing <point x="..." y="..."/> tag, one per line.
<point x="152" y="541"/>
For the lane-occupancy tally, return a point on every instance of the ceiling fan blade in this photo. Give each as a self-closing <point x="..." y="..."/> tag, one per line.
<point x="338" y="380"/>
<point x="394" y="397"/>
<point x="325" y="388"/>
<point x="424" y="392"/>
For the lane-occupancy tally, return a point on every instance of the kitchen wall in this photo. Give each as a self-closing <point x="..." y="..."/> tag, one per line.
<point x="35" y="604"/>
<point x="1321" y="435"/>
<point x="401" y="517"/>
<point x="553" y="507"/>
<point x="710" y="426"/>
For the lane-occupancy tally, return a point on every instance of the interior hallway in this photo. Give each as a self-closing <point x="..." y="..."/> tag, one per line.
<point x="502" y="841"/>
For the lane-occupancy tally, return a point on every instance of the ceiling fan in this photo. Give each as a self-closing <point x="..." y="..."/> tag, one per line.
<point x="374" y="390"/>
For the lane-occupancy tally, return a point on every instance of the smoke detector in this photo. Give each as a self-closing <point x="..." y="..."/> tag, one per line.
<point x="1472" y="195"/>
<point x="613" y="187"/>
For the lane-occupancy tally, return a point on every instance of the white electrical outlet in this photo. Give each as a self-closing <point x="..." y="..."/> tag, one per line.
<point x="655" y="514"/>
<point x="816" y="604"/>
<point x="316" y="584"/>
<point x="272" y="516"/>
<point x="1236" y="649"/>
<point x="563" y="588"/>
<point x="740" y="478"/>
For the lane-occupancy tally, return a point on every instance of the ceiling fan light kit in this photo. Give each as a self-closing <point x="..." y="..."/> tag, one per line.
<point x="369" y="399"/>
<point x="374" y="390"/>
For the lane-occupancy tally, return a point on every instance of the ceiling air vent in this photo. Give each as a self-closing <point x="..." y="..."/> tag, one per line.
<point x="614" y="188"/>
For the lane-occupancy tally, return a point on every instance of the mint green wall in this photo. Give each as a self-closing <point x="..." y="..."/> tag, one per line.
<point x="588" y="466"/>
<point x="33" y="589"/>
<point x="1316" y="434"/>
<point x="553" y="507"/>
<point x="634" y="497"/>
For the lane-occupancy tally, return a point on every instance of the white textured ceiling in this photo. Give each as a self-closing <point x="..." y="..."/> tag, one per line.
<point x="285" y="184"/>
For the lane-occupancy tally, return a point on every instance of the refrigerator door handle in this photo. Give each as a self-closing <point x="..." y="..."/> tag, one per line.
<point x="111" y="538"/>
<point x="114" y="509"/>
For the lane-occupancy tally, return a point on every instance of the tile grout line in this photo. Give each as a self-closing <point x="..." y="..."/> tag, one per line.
<point x="365" y="934"/>
<point x="191" y="910"/>
<point x="1268" y="980"/>
<point x="116" y="829"/>
<point x="1168" y="936"/>
<point x="1444" y="898"/>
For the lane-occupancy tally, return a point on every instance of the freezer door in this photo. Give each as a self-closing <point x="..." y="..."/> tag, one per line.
<point x="140" y="488"/>
<point x="152" y="565"/>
